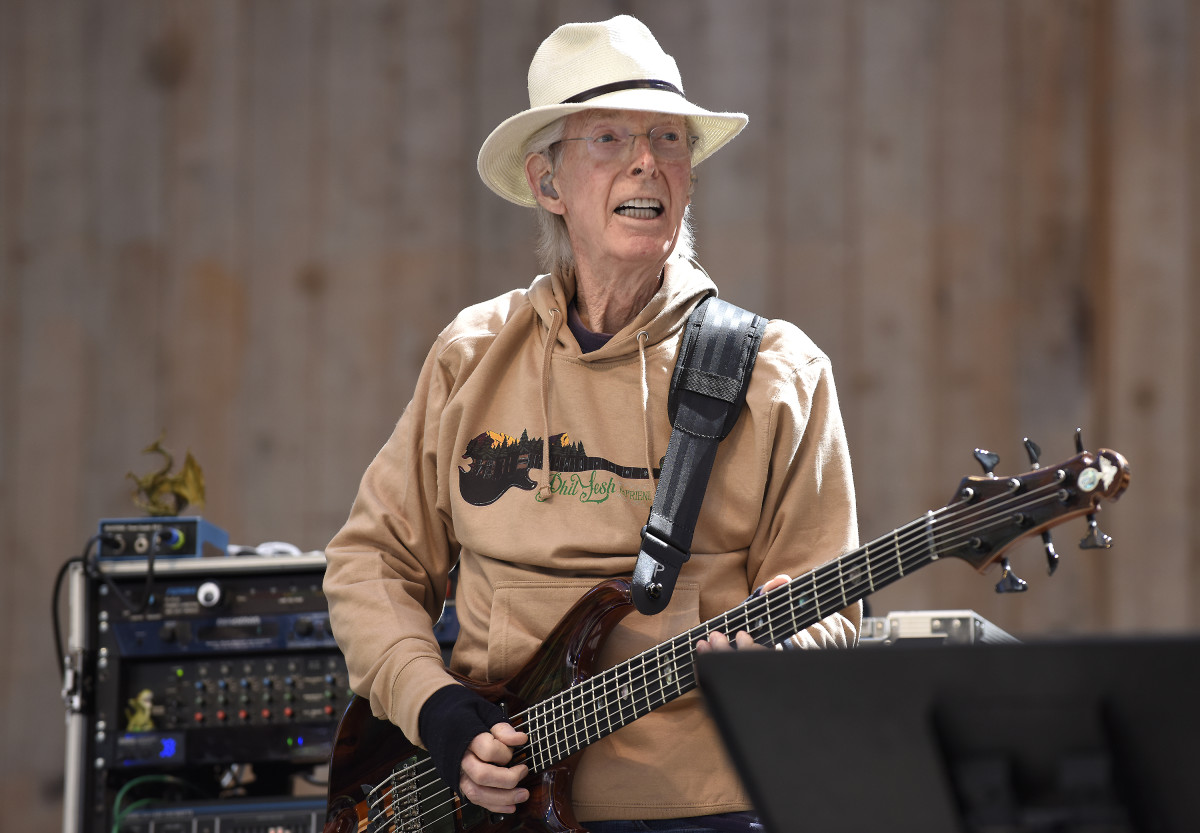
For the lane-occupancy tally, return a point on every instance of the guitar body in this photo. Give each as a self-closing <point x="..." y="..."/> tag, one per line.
<point x="368" y="751"/>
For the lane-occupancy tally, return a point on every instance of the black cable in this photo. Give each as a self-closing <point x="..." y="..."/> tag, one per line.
<point x="95" y="572"/>
<point x="87" y="559"/>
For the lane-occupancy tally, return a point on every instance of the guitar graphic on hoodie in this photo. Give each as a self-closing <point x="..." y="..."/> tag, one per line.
<point x="500" y="462"/>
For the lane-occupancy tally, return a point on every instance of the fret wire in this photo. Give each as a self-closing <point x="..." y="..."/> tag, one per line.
<point x="579" y="705"/>
<point x="647" y="675"/>
<point x="601" y="699"/>
<point x="552" y="729"/>
<point x="574" y="707"/>
<point x="757" y="622"/>
<point x="614" y="692"/>
<point x="654" y="679"/>
<point x="560" y="722"/>
<point x="564" y="714"/>
<point x="600" y="705"/>
<point x="658" y="672"/>
<point x="772" y="638"/>
<point x="791" y="612"/>
<point x="629" y="693"/>
<point x="547" y="732"/>
<point x="655" y="696"/>
<point x="589" y="709"/>
<point x="558" y="709"/>
<point x="637" y="686"/>
<point x="621" y="689"/>
<point x="579" y="720"/>
<point x="547" y="729"/>
<point x="730" y="620"/>
<point x="679" y="665"/>
<point x="754" y="620"/>
<point x="641" y="692"/>
<point x="534" y="728"/>
<point x="842" y="584"/>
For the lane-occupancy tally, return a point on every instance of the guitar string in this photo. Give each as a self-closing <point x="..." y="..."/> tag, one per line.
<point x="750" y="616"/>
<point x="830" y="594"/>
<point x="687" y="675"/>
<point x="917" y="529"/>
<point x="833" y="587"/>
<point x="754" y="611"/>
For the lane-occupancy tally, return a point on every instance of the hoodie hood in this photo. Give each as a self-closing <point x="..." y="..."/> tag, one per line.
<point x="684" y="285"/>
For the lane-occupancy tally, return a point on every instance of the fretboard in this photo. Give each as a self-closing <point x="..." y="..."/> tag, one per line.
<point x="564" y="724"/>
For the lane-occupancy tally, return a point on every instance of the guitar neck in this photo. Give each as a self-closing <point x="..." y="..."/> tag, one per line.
<point x="564" y="724"/>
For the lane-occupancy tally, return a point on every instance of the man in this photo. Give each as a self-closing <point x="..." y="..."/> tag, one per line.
<point x="527" y="455"/>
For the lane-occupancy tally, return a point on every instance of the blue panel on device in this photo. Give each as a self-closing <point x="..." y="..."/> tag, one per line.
<point x="171" y="537"/>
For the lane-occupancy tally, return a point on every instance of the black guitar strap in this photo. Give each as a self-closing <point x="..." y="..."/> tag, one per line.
<point x="708" y="389"/>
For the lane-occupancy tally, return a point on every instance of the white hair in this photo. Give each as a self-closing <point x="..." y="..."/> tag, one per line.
<point x="554" y="249"/>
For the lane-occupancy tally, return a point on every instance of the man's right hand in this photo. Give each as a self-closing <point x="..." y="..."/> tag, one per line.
<point x="486" y="778"/>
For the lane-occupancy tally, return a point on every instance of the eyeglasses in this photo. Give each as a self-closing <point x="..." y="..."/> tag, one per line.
<point x="611" y="144"/>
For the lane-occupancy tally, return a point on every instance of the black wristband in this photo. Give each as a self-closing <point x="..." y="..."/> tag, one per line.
<point x="448" y="722"/>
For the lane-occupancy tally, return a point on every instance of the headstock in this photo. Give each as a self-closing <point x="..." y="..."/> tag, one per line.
<point x="988" y="513"/>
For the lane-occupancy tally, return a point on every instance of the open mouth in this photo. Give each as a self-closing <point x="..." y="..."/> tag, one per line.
<point x="640" y="209"/>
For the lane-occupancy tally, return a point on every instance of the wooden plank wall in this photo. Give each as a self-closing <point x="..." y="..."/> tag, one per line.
<point x="243" y="223"/>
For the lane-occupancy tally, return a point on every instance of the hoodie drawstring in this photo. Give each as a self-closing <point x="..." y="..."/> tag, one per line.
<point x="556" y="320"/>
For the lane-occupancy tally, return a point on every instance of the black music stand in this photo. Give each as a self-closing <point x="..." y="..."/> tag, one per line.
<point x="1088" y="736"/>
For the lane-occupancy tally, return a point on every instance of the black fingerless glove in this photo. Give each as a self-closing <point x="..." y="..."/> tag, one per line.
<point x="448" y="722"/>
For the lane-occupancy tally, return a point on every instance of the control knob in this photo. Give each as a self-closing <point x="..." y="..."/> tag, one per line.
<point x="209" y="594"/>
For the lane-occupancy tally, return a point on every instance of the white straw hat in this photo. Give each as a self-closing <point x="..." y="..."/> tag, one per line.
<point x="614" y="65"/>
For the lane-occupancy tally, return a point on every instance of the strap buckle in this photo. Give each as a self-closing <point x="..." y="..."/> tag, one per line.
<point x="658" y="565"/>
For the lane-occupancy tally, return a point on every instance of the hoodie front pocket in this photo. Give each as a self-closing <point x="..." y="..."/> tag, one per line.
<point x="525" y="612"/>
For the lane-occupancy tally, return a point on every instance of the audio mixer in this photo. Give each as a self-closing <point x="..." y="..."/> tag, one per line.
<point x="206" y="666"/>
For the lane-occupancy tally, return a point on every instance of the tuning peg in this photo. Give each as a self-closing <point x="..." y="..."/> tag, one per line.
<point x="1010" y="582"/>
<point x="988" y="460"/>
<point x="1051" y="553"/>
<point x="1035" y="453"/>
<point x="1095" y="539"/>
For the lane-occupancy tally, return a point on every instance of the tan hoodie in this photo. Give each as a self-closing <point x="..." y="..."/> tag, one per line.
<point x="461" y="478"/>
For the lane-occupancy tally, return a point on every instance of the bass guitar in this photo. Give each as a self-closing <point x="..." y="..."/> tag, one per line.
<point x="380" y="782"/>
